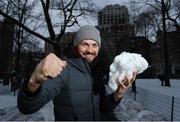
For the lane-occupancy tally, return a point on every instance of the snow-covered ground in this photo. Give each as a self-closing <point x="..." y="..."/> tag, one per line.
<point x="155" y="85"/>
<point x="9" y="111"/>
<point x="127" y="110"/>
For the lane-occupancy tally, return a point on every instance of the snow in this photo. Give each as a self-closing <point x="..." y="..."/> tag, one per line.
<point x="155" y="85"/>
<point x="128" y="109"/>
<point x="8" y="100"/>
<point x="125" y="64"/>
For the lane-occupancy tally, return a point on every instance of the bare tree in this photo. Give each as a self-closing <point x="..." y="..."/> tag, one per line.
<point x="32" y="45"/>
<point x="19" y="10"/>
<point x="34" y="17"/>
<point x="163" y="8"/>
<point x="141" y="19"/>
<point x="144" y="24"/>
<point x="135" y="10"/>
<point x="157" y="15"/>
<point x="173" y="13"/>
<point x="67" y="13"/>
<point x="153" y="9"/>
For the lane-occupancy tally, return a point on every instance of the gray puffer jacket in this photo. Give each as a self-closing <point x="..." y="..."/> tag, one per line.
<point x="71" y="92"/>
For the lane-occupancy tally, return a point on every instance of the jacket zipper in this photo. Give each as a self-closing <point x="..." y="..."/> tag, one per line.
<point x="92" y="98"/>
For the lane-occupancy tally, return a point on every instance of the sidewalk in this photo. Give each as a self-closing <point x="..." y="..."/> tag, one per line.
<point x="4" y="89"/>
<point x="155" y="86"/>
<point x="7" y="98"/>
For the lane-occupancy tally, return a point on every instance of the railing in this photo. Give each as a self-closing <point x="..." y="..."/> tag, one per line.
<point x="160" y="103"/>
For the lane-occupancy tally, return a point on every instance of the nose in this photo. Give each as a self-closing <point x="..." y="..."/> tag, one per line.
<point x="90" y="48"/>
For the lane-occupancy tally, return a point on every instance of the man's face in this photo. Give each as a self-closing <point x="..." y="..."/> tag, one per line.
<point x="88" y="49"/>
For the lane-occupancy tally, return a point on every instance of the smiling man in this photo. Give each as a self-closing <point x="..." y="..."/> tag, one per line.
<point x="70" y="83"/>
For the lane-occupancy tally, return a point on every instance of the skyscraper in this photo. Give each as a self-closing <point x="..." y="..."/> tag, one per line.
<point x="113" y="22"/>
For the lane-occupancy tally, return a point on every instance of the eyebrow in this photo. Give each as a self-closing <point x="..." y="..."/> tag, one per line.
<point x="88" y="43"/>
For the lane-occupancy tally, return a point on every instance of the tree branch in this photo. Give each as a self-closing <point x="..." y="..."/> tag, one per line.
<point x="48" y="19"/>
<point x="25" y="28"/>
<point x="66" y="21"/>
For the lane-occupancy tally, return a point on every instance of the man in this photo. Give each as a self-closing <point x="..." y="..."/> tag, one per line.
<point x="70" y="84"/>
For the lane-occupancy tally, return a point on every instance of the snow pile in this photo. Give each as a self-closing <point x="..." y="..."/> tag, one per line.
<point x="123" y="64"/>
<point x="129" y="110"/>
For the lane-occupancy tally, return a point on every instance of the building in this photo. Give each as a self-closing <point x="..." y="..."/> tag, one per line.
<point x="6" y="47"/>
<point x="173" y="54"/>
<point x="64" y="42"/>
<point x="113" y="22"/>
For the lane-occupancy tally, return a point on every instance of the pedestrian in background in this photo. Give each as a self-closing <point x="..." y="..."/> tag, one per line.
<point x="14" y="84"/>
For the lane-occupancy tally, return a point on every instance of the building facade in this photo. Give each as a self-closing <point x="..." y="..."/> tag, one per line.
<point x="113" y="22"/>
<point x="173" y="54"/>
<point x="64" y="43"/>
<point x="6" y="47"/>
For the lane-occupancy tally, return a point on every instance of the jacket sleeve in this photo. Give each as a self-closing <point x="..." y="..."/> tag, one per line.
<point x="29" y="103"/>
<point x="107" y="102"/>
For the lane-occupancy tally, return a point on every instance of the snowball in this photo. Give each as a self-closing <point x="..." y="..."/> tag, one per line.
<point x="125" y="64"/>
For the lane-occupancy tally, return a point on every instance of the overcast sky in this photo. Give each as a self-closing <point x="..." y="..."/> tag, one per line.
<point x="100" y="4"/>
<point x="93" y="21"/>
<point x="103" y="3"/>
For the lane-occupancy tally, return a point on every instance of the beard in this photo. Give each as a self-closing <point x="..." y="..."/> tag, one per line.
<point x="88" y="59"/>
<point x="89" y="56"/>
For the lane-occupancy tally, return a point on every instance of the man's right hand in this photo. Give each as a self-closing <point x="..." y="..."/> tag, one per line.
<point x="49" y="67"/>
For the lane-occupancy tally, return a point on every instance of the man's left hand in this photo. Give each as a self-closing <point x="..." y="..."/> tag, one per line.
<point x="124" y="85"/>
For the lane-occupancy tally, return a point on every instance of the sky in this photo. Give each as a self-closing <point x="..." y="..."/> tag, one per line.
<point x="90" y="21"/>
<point x="99" y="4"/>
<point x="103" y="3"/>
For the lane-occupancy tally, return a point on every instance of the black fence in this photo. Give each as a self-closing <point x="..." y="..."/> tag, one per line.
<point x="169" y="106"/>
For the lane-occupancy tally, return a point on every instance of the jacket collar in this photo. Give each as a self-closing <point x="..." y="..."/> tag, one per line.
<point x="77" y="60"/>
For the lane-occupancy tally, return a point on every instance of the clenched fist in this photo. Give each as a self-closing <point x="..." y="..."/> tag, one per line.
<point x="49" y="67"/>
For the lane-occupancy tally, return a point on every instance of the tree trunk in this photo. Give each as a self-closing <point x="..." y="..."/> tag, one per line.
<point x="166" y="58"/>
<point x="57" y="50"/>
